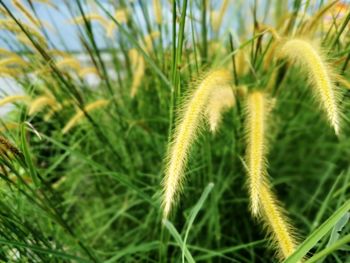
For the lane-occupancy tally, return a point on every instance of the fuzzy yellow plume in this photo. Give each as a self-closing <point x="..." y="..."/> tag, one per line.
<point x="70" y="62"/>
<point x="37" y="104"/>
<point x="24" y="10"/>
<point x="23" y="38"/>
<point x="11" y="99"/>
<point x="320" y="75"/>
<point x="12" y="60"/>
<point x="242" y="62"/>
<point x="10" y="25"/>
<point x="55" y="109"/>
<point x="271" y="30"/>
<point x="9" y="71"/>
<point x="315" y="19"/>
<point x="149" y="40"/>
<point x="278" y="225"/>
<point x="221" y="99"/>
<point x="138" y="65"/>
<point x="7" y="146"/>
<point x="343" y="81"/>
<point x="257" y="110"/>
<point x="121" y="16"/>
<point x="3" y="11"/>
<point x="157" y="11"/>
<point x="133" y="56"/>
<point x="89" y="70"/>
<point x="4" y="51"/>
<point x="8" y="126"/>
<point x="79" y="20"/>
<point x="47" y="2"/>
<point x="217" y="16"/>
<point x="186" y="132"/>
<point x="80" y="114"/>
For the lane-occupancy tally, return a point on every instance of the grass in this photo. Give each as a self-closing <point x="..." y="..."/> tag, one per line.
<point x="92" y="192"/>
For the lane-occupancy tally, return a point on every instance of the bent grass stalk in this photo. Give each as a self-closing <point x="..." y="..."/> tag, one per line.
<point x="80" y="114"/>
<point x="186" y="132"/>
<point x="256" y="112"/>
<point x="320" y="75"/>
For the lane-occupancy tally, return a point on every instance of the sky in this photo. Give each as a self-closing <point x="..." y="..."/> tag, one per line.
<point x="64" y="34"/>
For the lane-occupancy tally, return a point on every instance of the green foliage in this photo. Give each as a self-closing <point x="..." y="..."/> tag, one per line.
<point x="93" y="194"/>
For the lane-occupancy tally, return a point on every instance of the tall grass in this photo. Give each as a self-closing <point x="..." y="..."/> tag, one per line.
<point x="116" y="98"/>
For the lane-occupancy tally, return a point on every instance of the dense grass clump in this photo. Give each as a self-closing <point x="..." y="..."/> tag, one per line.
<point x="111" y="105"/>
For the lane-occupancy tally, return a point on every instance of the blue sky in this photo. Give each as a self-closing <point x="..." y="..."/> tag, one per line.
<point x="59" y="18"/>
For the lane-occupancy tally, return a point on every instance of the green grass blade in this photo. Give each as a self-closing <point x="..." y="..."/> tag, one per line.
<point x="319" y="233"/>
<point x="178" y="239"/>
<point x="194" y="213"/>
<point x="330" y="249"/>
<point x="27" y="158"/>
<point x="54" y="253"/>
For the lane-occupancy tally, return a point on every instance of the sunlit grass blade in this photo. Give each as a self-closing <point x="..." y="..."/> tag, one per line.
<point x="318" y="234"/>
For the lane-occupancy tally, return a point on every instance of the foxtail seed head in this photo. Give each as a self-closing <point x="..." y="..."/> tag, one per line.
<point x="90" y="17"/>
<point x="320" y="75"/>
<point x="24" y="10"/>
<point x="257" y="110"/>
<point x="277" y="223"/>
<point x="70" y="62"/>
<point x="157" y="11"/>
<point x="138" y="64"/>
<point x="217" y="16"/>
<point x="121" y="16"/>
<point x="5" y="146"/>
<point x="186" y="132"/>
<point x="221" y="99"/>
<point x="13" y="98"/>
<point x="86" y="71"/>
<point x="37" y="104"/>
<point x="80" y="114"/>
<point x="12" y="60"/>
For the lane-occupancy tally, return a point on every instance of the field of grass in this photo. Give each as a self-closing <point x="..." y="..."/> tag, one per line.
<point x="175" y="131"/>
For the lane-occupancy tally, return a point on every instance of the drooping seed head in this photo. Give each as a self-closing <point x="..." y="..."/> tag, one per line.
<point x="13" y="98"/>
<point x="320" y="76"/>
<point x="221" y="100"/>
<point x="138" y="65"/>
<point x="257" y="110"/>
<point x="80" y="114"/>
<point x="37" y="104"/>
<point x="157" y="11"/>
<point x="186" y="131"/>
<point x="275" y="220"/>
